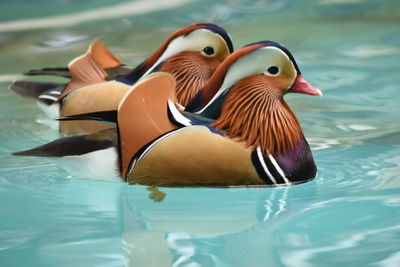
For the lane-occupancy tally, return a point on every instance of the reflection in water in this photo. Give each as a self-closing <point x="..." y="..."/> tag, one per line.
<point x="322" y="143"/>
<point x="303" y="257"/>
<point x="356" y="127"/>
<point x="375" y="168"/>
<point x="239" y="228"/>
<point x="388" y="177"/>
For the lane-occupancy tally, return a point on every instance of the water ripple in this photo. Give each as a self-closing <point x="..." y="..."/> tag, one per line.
<point x="303" y="257"/>
<point x="367" y="51"/>
<point x="60" y="41"/>
<point x="115" y="11"/>
<point x="258" y="6"/>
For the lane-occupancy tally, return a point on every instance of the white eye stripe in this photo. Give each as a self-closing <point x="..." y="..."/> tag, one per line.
<point x="197" y="40"/>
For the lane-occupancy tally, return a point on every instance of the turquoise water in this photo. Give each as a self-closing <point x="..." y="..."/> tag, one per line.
<point x="53" y="214"/>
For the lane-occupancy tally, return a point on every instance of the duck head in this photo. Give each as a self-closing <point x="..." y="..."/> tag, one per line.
<point x="191" y="54"/>
<point x="246" y="93"/>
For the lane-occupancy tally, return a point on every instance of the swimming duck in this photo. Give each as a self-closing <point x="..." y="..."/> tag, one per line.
<point x="191" y="54"/>
<point x="240" y="130"/>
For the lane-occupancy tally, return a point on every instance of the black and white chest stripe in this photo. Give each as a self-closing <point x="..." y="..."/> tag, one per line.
<point x="268" y="169"/>
<point x="176" y="116"/>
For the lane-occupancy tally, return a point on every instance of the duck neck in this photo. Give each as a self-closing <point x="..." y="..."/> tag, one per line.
<point x="191" y="73"/>
<point x="259" y="117"/>
<point x="134" y="75"/>
<point x="137" y="73"/>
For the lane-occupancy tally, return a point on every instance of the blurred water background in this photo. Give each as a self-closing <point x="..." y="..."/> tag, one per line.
<point x="53" y="214"/>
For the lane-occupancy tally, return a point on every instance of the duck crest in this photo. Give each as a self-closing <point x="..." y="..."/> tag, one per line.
<point x="142" y="68"/>
<point x="184" y="32"/>
<point x="215" y="82"/>
<point x="257" y="115"/>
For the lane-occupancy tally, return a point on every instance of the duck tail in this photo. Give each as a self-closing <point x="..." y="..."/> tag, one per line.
<point x="59" y="72"/>
<point x="91" y="67"/>
<point x="74" y="145"/>
<point x="98" y="64"/>
<point x="44" y="92"/>
<point x="100" y="53"/>
<point x="109" y="117"/>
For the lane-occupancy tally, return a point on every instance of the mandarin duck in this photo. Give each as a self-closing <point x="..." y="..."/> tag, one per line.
<point x="238" y="130"/>
<point x="191" y="54"/>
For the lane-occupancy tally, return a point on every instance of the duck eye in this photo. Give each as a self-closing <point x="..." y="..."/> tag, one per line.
<point x="208" y="50"/>
<point x="273" y="70"/>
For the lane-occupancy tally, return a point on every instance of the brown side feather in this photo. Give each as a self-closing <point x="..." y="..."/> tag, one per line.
<point x="84" y="71"/>
<point x="103" y="56"/>
<point x="143" y="115"/>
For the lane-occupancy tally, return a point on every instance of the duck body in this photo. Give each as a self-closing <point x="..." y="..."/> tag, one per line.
<point x="183" y="54"/>
<point x="191" y="151"/>
<point x="191" y="54"/>
<point x="214" y="160"/>
<point x="199" y="157"/>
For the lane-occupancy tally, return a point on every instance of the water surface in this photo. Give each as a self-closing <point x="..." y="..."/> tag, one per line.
<point x="53" y="214"/>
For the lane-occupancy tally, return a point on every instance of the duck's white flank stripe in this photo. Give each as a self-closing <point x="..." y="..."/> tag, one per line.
<point x="278" y="168"/>
<point x="261" y="159"/>
<point x="55" y="92"/>
<point x="151" y="146"/>
<point x="48" y="97"/>
<point x="177" y="115"/>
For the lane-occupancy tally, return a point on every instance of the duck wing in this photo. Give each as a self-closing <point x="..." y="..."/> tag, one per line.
<point x="143" y="115"/>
